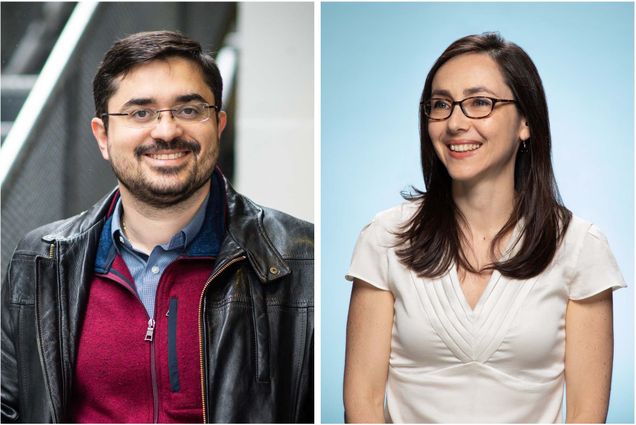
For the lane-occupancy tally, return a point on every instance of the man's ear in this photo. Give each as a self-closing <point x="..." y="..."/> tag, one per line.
<point x="99" y="132"/>
<point x="222" y="122"/>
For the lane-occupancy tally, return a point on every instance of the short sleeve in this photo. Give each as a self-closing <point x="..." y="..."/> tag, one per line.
<point x="595" y="269"/>
<point x="370" y="257"/>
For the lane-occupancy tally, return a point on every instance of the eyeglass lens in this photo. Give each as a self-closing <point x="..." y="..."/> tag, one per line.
<point x="472" y="107"/>
<point x="189" y="113"/>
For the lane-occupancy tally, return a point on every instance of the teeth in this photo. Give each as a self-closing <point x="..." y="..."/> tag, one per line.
<point x="464" y="148"/>
<point x="168" y="155"/>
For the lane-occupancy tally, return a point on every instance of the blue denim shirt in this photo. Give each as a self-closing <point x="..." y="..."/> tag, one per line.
<point x="146" y="270"/>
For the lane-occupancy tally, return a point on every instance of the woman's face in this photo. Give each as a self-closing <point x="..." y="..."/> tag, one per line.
<point x="475" y="150"/>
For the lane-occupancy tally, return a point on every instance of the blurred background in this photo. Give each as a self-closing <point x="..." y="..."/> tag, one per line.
<point x="50" y="165"/>
<point x="375" y="58"/>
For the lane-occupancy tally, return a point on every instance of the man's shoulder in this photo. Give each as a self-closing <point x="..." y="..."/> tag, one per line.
<point x="293" y="237"/>
<point x="290" y="236"/>
<point x="38" y="240"/>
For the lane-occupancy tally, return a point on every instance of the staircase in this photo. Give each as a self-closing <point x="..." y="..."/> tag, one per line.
<point x="29" y="32"/>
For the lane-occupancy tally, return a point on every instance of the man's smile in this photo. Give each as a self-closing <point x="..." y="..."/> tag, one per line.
<point x="167" y="158"/>
<point x="168" y="155"/>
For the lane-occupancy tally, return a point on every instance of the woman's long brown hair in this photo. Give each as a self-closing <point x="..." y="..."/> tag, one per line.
<point x="432" y="239"/>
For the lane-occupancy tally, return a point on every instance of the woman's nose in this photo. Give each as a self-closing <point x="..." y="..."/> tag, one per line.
<point x="457" y="121"/>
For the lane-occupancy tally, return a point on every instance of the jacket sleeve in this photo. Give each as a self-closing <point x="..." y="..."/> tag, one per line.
<point x="9" y="391"/>
<point x="307" y="402"/>
<point x="310" y="397"/>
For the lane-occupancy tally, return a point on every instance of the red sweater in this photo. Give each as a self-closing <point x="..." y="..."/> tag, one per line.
<point x="120" y="376"/>
<point x="126" y="372"/>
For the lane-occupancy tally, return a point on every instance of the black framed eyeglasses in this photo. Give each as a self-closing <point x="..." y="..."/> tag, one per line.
<point x="476" y="107"/>
<point x="140" y="117"/>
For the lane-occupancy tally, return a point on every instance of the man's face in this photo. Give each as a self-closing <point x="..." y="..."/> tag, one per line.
<point x="166" y="162"/>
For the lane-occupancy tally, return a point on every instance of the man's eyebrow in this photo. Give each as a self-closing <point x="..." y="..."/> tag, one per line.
<point x="144" y="101"/>
<point x="139" y="101"/>
<point x="190" y="97"/>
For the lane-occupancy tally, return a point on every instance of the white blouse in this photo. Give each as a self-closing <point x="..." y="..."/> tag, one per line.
<point x="502" y="361"/>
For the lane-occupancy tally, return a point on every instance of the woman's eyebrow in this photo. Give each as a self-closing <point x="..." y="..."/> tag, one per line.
<point x="467" y="92"/>
<point x="478" y="89"/>
<point x="440" y="92"/>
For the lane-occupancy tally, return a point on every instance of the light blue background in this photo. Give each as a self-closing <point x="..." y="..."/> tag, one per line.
<point x="375" y="57"/>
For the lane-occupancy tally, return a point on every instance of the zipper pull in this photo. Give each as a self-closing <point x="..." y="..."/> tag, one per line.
<point x="150" y="331"/>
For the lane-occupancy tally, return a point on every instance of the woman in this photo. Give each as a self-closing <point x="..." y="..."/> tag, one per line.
<point x="478" y="299"/>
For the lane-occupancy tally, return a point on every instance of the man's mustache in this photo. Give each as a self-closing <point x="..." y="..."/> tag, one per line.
<point x="174" y="144"/>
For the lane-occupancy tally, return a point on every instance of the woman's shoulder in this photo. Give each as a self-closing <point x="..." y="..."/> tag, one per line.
<point x="579" y="228"/>
<point x="395" y="217"/>
<point x="580" y="237"/>
<point x="387" y="224"/>
<point x="589" y="260"/>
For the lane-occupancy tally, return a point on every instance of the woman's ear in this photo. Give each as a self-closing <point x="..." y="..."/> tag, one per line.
<point x="524" y="130"/>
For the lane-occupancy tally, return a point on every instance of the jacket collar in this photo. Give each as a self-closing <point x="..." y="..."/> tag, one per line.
<point x="205" y="243"/>
<point x="244" y="220"/>
<point x="247" y="230"/>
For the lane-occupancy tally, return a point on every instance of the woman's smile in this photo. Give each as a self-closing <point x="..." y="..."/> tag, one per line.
<point x="461" y="149"/>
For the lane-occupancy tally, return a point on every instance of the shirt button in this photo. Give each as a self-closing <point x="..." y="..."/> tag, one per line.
<point x="121" y="239"/>
<point x="155" y="269"/>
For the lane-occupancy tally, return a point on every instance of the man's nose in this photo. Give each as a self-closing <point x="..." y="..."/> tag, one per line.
<point x="166" y="127"/>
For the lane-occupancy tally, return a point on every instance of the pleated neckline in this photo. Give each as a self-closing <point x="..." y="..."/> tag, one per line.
<point x="473" y="334"/>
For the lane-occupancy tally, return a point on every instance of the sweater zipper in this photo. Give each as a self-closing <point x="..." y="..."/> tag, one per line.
<point x="150" y="331"/>
<point x="149" y="337"/>
<point x="214" y="275"/>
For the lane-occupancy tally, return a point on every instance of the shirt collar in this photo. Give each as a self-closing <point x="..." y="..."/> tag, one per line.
<point x="180" y="240"/>
<point x="203" y="240"/>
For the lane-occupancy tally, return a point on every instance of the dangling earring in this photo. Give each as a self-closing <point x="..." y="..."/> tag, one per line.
<point x="524" y="146"/>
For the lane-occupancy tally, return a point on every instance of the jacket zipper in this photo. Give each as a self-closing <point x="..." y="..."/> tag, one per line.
<point x="38" y="341"/>
<point x="225" y="266"/>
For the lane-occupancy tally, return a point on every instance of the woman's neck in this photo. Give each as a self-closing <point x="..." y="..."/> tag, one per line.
<point x="486" y="206"/>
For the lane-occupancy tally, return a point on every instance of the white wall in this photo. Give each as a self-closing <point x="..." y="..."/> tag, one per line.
<point x="275" y="129"/>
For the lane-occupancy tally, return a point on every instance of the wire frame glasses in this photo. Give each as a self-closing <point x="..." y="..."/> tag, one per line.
<point x="141" y="117"/>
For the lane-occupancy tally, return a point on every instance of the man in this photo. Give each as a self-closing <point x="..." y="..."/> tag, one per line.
<point x="174" y="299"/>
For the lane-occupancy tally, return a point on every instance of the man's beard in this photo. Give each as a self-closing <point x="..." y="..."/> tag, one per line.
<point x="150" y="192"/>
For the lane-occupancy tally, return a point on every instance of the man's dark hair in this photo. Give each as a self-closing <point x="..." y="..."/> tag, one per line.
<point x="431" y="240"/>
<point x="143" y="47"/>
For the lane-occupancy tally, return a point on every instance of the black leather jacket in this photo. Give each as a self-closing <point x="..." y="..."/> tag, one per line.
<point x="257" y="319"/>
